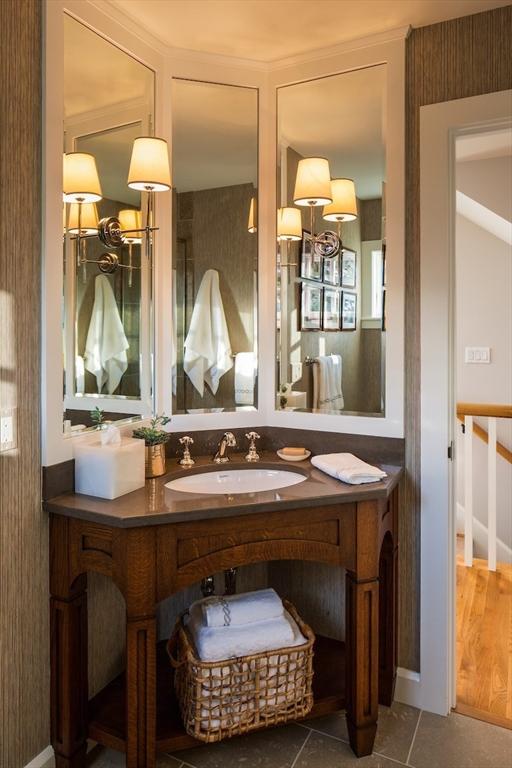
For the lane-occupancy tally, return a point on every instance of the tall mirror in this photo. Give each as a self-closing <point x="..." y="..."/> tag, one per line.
<point x="331" y="244"/>
<point x="215" y="247"/>
<point x="108" y="105"/>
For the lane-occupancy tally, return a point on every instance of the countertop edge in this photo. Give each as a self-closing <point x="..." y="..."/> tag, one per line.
<point x="58" y="504"/>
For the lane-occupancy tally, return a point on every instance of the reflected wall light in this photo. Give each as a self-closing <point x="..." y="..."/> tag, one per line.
<point x="313" y="189"/>
<point x="149" y="172"/>
<point x="252" y="223"/>
<point x="344" y="203"/>
<point x="289" y="224"/>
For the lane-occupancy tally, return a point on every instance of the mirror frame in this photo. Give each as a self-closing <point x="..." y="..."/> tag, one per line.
<point x="390" y="52"/>
<point x="166" y="63"/>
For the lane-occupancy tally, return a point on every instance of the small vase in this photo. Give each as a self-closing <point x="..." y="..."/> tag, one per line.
<point x="155" y="460"/>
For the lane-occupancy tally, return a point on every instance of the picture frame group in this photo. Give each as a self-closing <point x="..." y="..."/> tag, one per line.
<point x="325" y="304"/>
<point x="327" y="309"/>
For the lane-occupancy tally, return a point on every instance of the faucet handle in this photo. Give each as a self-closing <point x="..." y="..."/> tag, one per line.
<point x="252" y="455"/>
<point x="187" y="460"/>
<point x="230" y="439"/>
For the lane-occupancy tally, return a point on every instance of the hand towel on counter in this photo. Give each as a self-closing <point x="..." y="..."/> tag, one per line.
<point x="105" y="349"/>
<point x="245" y="378"/>
<point x="348" y="468"/>
<point x="244" y="608"/>
<point x="207" y="346"/>
<point x="217" y="643"/>
<point x="327" y="391"/>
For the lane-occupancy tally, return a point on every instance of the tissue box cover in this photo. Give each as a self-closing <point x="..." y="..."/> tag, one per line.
<point x="109" y="471"/>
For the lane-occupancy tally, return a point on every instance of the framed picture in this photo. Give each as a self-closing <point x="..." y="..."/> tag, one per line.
<point x="332" y="270"/>
<point x="310" y="307"/>
<point x="331" y="315"/>
<point x="348" y="268"/>
<point x="310" y="261"/>
<point x="348" y="311"/>
<point x="383" y="326"/>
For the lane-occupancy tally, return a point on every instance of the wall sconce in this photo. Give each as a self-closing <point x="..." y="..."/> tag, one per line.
<point x="344" y="203"/>
<point x="289" y="229"/>
<point x="149" y="172"/>
<point x="289" y="224"/>
<point x="130" y="221"/>
<point x="313" y="189"/>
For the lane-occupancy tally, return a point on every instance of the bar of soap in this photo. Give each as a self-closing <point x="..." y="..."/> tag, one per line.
<point x="293" y="451"/>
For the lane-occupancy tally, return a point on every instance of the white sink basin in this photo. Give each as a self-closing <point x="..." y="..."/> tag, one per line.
<point x="236" y="481"/>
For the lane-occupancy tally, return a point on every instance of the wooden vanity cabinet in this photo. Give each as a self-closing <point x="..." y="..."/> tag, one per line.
<point x="137" y="713"/>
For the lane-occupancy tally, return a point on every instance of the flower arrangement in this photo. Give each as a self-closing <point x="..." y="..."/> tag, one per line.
<point x="154" y="435"/>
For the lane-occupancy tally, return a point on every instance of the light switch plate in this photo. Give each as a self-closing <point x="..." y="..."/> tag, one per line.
<point x="477" y="355"/>
<point x="7" y="429"/>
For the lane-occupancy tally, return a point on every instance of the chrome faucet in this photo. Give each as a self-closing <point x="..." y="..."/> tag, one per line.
<point x="228" y="440"/>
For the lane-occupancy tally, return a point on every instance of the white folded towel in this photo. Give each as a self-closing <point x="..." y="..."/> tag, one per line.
<point x="105" y="349"/>
<point x="348" y="468"/>
<point x="327" y="391"/>
<point x="245" y="378"/>
<point x="245" y="608"/>
<point x="207" y="346"/>
<point x="217" y="643"/>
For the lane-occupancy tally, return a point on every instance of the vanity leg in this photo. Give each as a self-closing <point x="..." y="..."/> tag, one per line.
<point x="362" y="663"/>
<point x="141" y="693"/>
<point x="388" y="614"/>
<point x="139" y="593"/>
<point x="69" y="686"/>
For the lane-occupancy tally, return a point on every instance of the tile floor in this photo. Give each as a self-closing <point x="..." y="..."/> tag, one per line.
<point x="406" y="737"/>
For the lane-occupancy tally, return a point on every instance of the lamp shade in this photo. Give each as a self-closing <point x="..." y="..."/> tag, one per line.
<point x="130" y="219"/>
<point x="344" y="203"/>
<point x="88" y="219"/>
<point x="313" y="182"/>
<point x="81" y="183"/>
<point x="289" y="224"/>
<point x="252" y="224"/>
<point x="149" y="165"/>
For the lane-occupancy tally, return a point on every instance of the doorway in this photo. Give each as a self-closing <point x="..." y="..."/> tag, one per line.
<point x="482" y="366"/>
<point x="440" y="126"/>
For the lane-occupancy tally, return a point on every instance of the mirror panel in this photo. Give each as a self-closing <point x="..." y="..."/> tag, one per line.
<point x="331" y="293"/>
<point x="215" y="247"/>
<point x="108" y="103"/>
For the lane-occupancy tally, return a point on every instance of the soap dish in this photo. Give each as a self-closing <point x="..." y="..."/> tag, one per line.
<point x="302" y="457"/>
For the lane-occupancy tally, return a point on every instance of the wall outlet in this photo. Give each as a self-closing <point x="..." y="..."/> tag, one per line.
<point x="477" y="355"/>
<point x="7" y="429"/>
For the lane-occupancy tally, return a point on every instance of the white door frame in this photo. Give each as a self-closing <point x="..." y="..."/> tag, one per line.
<point x="439" y="126"/>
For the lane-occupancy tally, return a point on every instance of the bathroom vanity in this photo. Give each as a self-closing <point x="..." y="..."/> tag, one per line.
<point x="156" y="541"/>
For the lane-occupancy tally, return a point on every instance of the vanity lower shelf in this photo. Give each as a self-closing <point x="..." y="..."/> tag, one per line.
<point x="107" y="711"/>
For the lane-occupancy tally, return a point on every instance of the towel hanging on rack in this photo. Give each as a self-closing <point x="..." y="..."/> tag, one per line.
<point x="207" y="346"/>
<point x="105" y="349"/>
<point x="327" y="391"/>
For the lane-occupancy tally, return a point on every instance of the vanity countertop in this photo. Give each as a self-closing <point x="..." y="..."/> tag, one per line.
<point x="155" y="505"/>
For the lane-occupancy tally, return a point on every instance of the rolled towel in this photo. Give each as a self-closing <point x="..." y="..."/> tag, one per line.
<point x="217" y="643"/>
<point x="348" y="468"/>
<point x="245" y="608"/>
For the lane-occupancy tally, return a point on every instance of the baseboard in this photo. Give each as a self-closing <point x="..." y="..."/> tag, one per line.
<point x="408" y="687"/>
<point x="41" y="759"/>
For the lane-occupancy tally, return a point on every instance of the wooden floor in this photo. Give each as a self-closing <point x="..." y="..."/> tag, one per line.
<point x="484" y="642"/>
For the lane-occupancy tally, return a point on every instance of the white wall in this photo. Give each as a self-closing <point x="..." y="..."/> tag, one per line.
<point x="484" y="318"/>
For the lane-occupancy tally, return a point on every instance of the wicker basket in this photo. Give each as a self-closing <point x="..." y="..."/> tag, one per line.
<point x="221" y="699"/>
